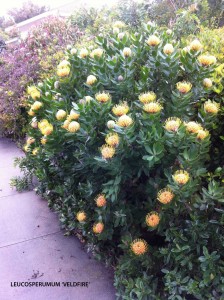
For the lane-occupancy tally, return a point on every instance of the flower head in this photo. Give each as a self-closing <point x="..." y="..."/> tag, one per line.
<point x="81" y="216"/>
<point x="184" y="87"/>
<point x="73" y="126"/>
<point x="43" y="140"/>
<point x="202" y="134"/>
<point x="73" y="51"/>
<point x="83" y="53"/>
<point x="207" y="82"/>
<point x="168" y="49"/>
<point x="103" y="97"/>
<point x="26" y="148"/>
<point x="152" y="219"/>
<point x="193" y="127"/>
<point x="181" y="177"/>
<point x="98" y="228"/>
<point x="31" y="113"/>
<point x="111" y="124"/>
<point x="33" y="92"/>
<point x="139" y="247"/>
<point x="120" y="109"/>
<point x="127" y="52"/>
<point x="36" y="105"/>
<point x="119" y="24"/>
<point x="61" y="114"/>
<point x="112" y="139"/>
<point x="101" y="200"/>
<point x="172" y="124"/>
<point x="152" y="107"/>
<point x="47" y="130"/>
<point x="124" y="121"/>
<point x="211" y="107"/>
<point x="153" y="40"/>
<point x="91" y="79"/>
<point x="107" y="151"/>
<point x="43" y="123"/>
<point x="30" y="140"/>
<point x="206" y="60"/>
<point x="73" y="116"/>
<point x="195" y="45"/>
<point x="147" y="97"/>
<point x="65" y="124"/>
<point x="35" y="151"/>
<point x="165" y="196"/>
<point x="96" y="53"/>
<point x="34" y="124"/>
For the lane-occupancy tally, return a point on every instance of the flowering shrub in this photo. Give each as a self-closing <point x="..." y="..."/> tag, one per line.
<point x="120" y="141"/>
<point x="31" y="60"/>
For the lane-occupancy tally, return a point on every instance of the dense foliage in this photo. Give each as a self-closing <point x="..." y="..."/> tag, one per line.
<point x="121" y="141"/>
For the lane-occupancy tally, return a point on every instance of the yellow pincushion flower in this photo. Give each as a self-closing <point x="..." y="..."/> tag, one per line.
<point x="33" y="92"/>
<point x="26" y="148"/>
<point x="30" y="140"/>
<point x="43" y="123"/>
<point x="139" y="247"/>
<point x="202" y="134"/>
<point x="65" y="124"/>
<point x="111" y="124"/>
<point x="31" y="113"/>
<point x="35" y="151"/>
<point x="103" y="97"/>
<point x="193" y="127"/>
<point x="91" y="79"/>
<point x="181" y="177"/>
<point x="98" y="228"/>
<point x="195" y="45"/>
<point x="127" y="52"/>
<point x="152" y="219"/>
<point x="107" y="151"/>
<point x="73" y="116"/>
<point x="124" y="121"/>
<point x="64" y="63"/>
<point x="97" y="53"/>
<point x="63" y="72"/>
<point x="83" y="53"/>
<point x="147" y="97"/>
<point x="168" y="49"/>
<point x="112" y="139"/>
<point x="120" y="109"/>
<point x="165" y="196"/>
<point x="61" y="114"/>
<point x="207" y="82"/>
<point x="101" y="200"/>
<point x="73" y="126"/>
<point x="153" y="40"/>
<point x="211" y="107"/>
<point x="47" y="130"/>
<point x="184" y="87"/>
<point x="172" y="124"/>
<point x="206" y="60"/>
<point x="43" y="140"/>
<point x="81" y="216"/>
<point x="119" y="24"/>
<point x="152" y="107"/>
<point x="36" y="105"/>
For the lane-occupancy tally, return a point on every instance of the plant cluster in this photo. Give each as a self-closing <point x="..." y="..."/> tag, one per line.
<point x="121" y="140"/>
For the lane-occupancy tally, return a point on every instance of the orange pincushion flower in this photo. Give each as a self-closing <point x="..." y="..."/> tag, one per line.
<point x="31" y="113"/>
<point x="184" y="87"/>
<point x="101" y="200"/>
<point x="120" y="109"/>
<point x="152" y="219"/>
<point x="98" y="227"/>
<point x="139" y="247"/>
<point x="124" y="121"/>
<point x="172" y="124"/>
<point x="202" y="134"/>
<point x="193" y="127"/>
<point x="181" y="177"/>
<point x="147" y="97"/>
<point x="107" y="151"/>
<point x="152" y="107"/>
<point x="165" y="196"/>
<point x="211" y="107"/>
<point x="112" y="139"/>
<point x="81" y="216"/>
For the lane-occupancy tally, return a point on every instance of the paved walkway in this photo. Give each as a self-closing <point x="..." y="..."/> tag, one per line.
<point x="33" y="248"/>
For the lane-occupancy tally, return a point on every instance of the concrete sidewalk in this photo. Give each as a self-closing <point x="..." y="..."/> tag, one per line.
<point x="33" y="249"/>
